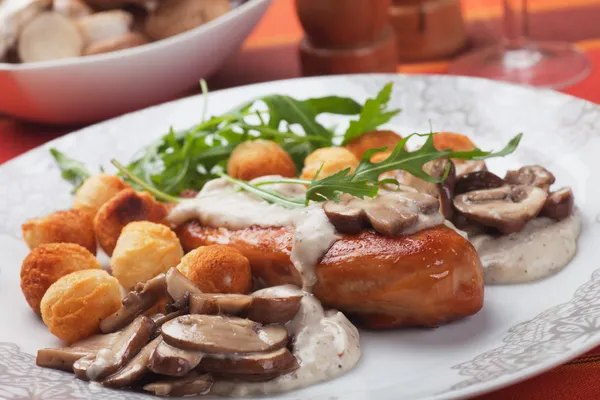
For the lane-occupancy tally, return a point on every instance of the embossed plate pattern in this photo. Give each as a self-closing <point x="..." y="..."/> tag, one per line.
<point x="522" y="330"/>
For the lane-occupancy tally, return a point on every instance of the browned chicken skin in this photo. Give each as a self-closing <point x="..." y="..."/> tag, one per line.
<point x="425" y="279"/>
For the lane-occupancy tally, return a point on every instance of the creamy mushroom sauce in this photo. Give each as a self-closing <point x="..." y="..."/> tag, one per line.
<point x="325" y="343"/>
<point x="541" y="249"/>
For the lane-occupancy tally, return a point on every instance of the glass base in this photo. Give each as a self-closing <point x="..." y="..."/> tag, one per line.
<point x="541" y="64"/>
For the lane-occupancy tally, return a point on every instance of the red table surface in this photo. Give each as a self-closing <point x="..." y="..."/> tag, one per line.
<point x="271" y="53"/>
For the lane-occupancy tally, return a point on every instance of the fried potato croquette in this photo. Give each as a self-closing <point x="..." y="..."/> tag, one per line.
<point x="373" y="140"/>
<point x="127" y="206"/>
<point x="259" y="157"/>
<point x="144" y="250"/>
<point x="97" y="190"/>
<point x="71" y="226"/>
<point x="48" y="263"/>
<point x="452" y="141"/>
<point x="74" y="305"/>
<point x="217" y="269"/>
<point x="333" y="159"/>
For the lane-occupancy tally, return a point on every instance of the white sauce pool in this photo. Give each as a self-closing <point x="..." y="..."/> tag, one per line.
<point x="325" y="343"/>
<point x="541" y="249"/>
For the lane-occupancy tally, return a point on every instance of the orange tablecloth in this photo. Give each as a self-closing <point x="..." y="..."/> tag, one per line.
<point x="270" y="54"/>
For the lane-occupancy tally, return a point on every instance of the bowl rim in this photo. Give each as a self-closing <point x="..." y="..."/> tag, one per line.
<point x="149" y="47"/>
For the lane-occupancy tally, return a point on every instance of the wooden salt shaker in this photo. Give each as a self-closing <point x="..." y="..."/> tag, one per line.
<point x="427" y="29"/>
<point x="346" y="36"/>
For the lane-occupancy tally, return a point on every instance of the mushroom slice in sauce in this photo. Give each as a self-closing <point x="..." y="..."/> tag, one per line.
<point x="390" y="213"/>
<point x="188" y="386"/>
<point x="172" y="361"/>
<point x="467" y="166"/>
<point x="108" y="360"/>
<point x="479" y="180"/>
<point x="268" y="363"/>
<point x="219" y="334"/>
<point x="135" y="369"/>
<point x="272" y="310"/>
<point x="142" y="298"/>
<point x="506" y="208"/>
<point x="65" y="358"/>
<point x="531" y="175"/>
<point x="443" y="191"/>
<point x="559" y="204"/>
<point x="230" y="304"/>
<point x="160" y="319"/>
<point x="179" y="287"/>
<point x="265" y="310"/>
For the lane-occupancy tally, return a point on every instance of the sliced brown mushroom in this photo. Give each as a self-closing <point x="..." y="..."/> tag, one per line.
<point x="506" y="208"/>
<point x="273" y="310"/>
<point x="172" y="361"/>
<point x="390" y="213"/>
<point x="467" y="166"/>
<point x="179" y="287"/>
<point x="219" y="334"/>
<point x="188" y="386"/>
<point x="479" y="180"/>
<point x="135" y="369"/>
<point x="266" y="310"/>
<point x="230" y="304"/>
<point x="531" y="175"/>
<point x="271" y="363"/>
<point x="160" y="319"/>
<point x="109" y="360"/>
<point x="65" y="358"/>
<point x="559" y="204"/>
<point x="443" y="191"/>
<point x="143" y="297"/>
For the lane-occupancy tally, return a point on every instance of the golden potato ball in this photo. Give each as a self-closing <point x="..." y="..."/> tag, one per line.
<point x="259" y="157"/>
<point x="71" y="226"/>
<point x="333" y="159"/>
<point x="48" y="263"/>
<point x="453" y="141"/>
<point x="97" y="190"/>
<point x="217" y="269"/>
<point x="74" y="305"/>
<point x="373" y="140"/>
<point x="143" y="251"/>
<point x="127" y="206"/>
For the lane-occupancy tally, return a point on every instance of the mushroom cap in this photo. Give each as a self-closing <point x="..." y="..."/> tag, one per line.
<point x="219" y="334"/>
<point x="390" y="213"/>
<point x="559" y="204"/>
<point x="532" y="175"/>
<point x="478" y="180"/>
<point x="506" y="208"/>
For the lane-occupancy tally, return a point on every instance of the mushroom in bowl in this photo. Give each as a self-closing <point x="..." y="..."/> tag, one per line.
<point x="120" y="80"/>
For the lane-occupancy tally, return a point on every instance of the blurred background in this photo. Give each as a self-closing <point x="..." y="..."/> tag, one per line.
<point x="69" y="63"/>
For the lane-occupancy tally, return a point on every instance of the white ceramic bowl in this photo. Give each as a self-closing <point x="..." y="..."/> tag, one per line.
<point x="88" y="89"/>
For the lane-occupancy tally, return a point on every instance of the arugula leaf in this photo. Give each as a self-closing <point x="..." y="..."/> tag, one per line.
<point x="333" y="105"/>
<point x="72" y="170"/>
<point x="268" y="195"/>
<point x="477" y="154"/>
<point x="331" y="187"/>
<point x="373" y="114"/>
<point x="296" y="112"/>
<point x="401" y="159"/>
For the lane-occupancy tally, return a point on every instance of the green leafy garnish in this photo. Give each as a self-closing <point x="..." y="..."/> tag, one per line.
<point x="72" y="171"/>
<point x="373" y="114"/>
<point x="365" y="182"/>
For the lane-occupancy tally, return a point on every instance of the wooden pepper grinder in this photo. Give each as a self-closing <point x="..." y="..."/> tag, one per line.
<point x="346" y="36"/>
<point x="427" y="29"/>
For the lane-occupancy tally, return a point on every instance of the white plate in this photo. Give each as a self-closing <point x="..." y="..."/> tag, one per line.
<point x="522" y="329"/>
<point x="89" y="89"/>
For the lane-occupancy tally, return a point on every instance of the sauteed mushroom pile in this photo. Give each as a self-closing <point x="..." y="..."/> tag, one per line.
<point x="199" y="339"/>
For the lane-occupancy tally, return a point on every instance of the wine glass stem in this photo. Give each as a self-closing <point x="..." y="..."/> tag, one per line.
<point x="515" y="23"/>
